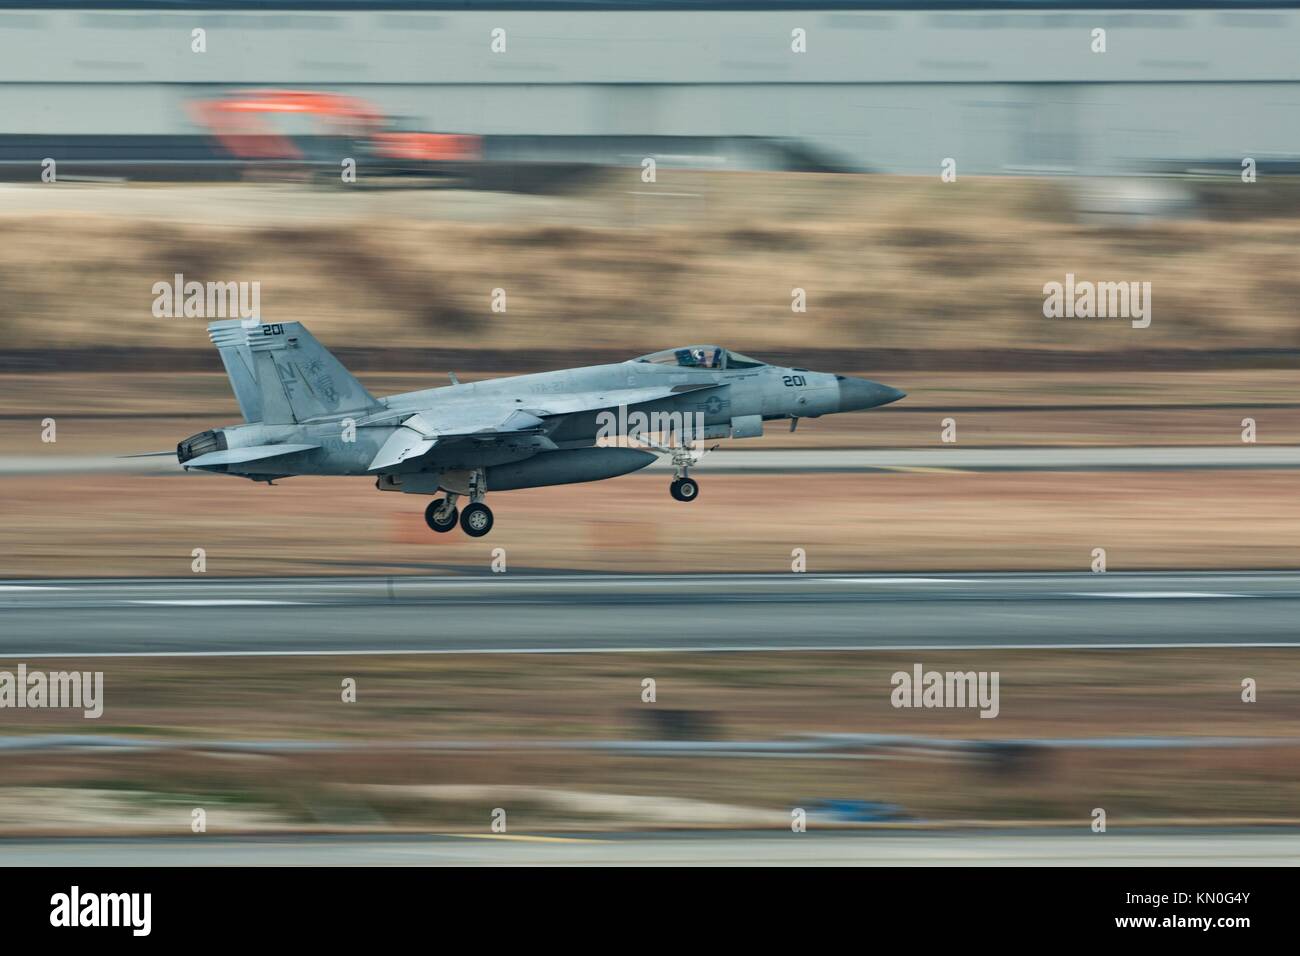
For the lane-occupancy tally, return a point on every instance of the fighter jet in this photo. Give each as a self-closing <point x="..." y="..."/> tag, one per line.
<point x="305" y="414"/>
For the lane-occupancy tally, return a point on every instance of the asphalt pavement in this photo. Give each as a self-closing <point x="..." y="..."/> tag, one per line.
<point x="778" y="460"/>
<point x="1185" y="847"/>
<point x="541" y="613"/>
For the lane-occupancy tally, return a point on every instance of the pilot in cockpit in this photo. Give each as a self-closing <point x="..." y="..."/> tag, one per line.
<point x="700" y="357"/>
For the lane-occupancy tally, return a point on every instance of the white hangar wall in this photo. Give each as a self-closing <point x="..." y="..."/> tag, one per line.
<point x="888" y="90"/>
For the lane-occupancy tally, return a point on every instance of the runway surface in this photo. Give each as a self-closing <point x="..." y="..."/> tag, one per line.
<point x="540" y="613"/>
<point x="757" y="460"/>
<point x="847" y="848"/>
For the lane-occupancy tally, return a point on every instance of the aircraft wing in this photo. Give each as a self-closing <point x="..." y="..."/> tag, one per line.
<point x="403" y="444"/>
<point x="566" y="403"/>
<point x="419" y="433"/>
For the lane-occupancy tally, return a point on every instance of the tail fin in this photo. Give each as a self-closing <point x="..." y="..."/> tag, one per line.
<point x="231" y="339"/>
<point x="282" y="375"/>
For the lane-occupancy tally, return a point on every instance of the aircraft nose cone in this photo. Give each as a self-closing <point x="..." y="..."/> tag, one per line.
<point x="860" y="393"/>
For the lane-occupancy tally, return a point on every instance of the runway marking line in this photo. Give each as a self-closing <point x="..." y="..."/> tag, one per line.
<point x="214" y="602"/>
<point x="1158" y="595"/>
<point x="922" y="470"/>
<point x="523" y="838"/>
<point x="907" y="580"/>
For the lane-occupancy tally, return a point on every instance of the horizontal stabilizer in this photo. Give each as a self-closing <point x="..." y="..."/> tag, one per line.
<point x="235" y="456"/>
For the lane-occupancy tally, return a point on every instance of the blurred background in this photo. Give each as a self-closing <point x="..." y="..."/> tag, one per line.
<point x="636" y="176"/>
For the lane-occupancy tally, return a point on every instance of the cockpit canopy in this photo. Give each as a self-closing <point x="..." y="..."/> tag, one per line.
<point x="701" y="356"/>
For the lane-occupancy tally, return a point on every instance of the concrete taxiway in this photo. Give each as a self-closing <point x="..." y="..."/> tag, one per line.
<point x="540" y="613"/>
<point x="756" y="460"/>
<point x="1269" y="847"/>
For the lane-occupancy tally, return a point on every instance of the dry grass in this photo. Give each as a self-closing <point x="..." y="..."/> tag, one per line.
<point x="742" y="697"/>
<point x="885" y="262"/>
<point x="114" y="525"/>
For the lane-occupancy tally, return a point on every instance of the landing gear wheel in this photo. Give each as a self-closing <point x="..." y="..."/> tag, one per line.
<point x="444" y="523"/>
<point x="684" y="489"/>
<point x="476" y="519"/>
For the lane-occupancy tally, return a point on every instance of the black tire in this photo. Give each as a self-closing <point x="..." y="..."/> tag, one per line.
<point x="685" y="489"/>
<point x="430" y="517"/>
<point x="476" y="519"/>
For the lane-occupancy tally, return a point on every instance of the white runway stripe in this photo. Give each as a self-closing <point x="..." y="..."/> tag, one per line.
<point x="908" y="580"/>
<point x="215" y="602"/>
<point x="1159" y="595"/>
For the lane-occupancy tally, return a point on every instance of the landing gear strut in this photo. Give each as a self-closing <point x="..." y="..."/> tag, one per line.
<point x="476" y="520"/>
<point x="684" y="487"/>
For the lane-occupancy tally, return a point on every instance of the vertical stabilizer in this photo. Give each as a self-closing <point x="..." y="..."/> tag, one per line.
<point x="282" y="375"/>
<point x="231" y="341"/>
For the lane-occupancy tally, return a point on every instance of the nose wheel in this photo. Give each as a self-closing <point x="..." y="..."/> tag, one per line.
<point x="684" y="489"/>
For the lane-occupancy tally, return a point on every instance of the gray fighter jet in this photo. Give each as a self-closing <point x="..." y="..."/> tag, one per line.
<point x="306" y="415"/>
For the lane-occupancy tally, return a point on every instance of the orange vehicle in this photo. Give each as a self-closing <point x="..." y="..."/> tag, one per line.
<point x="250" y="125"/>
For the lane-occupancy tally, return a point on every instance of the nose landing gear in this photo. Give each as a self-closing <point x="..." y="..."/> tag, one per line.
<point x="684" y="488"/>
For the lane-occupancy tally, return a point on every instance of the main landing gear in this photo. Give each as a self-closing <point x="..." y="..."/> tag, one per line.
<point x="475" y="520"/>
<point x="441" y="514"/>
